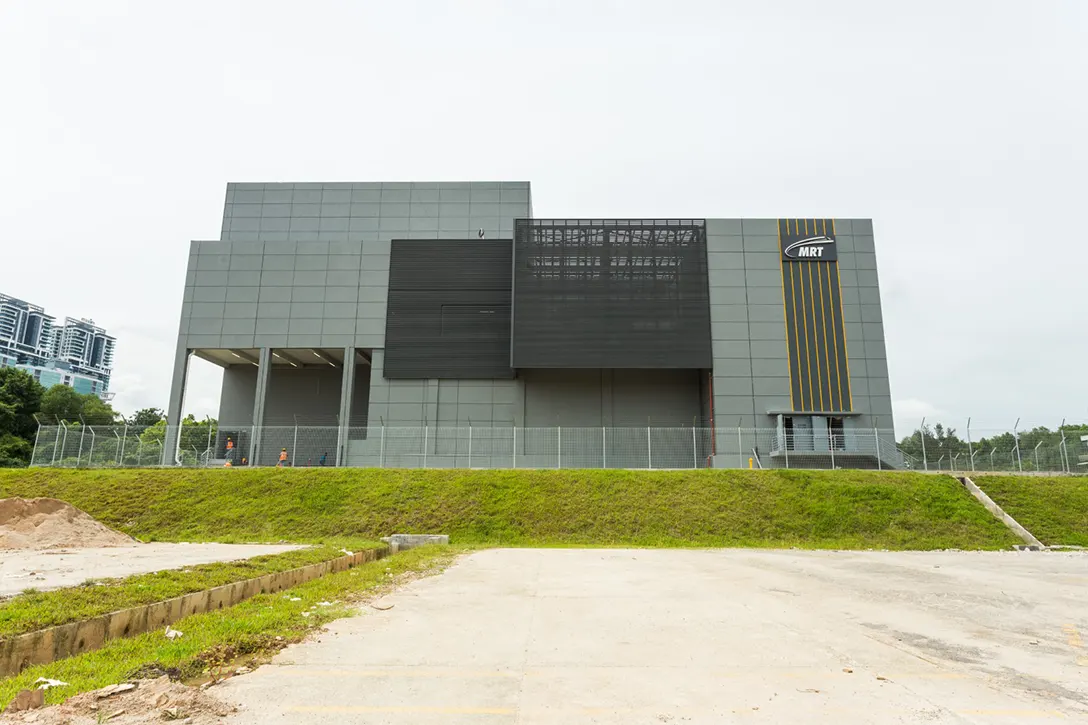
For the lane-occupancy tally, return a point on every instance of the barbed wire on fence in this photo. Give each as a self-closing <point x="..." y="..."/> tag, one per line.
<point x="300" y="445"/>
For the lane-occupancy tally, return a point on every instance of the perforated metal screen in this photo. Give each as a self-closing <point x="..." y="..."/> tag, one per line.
<point x="449" y="309"/>
<point x="610" y="294"/>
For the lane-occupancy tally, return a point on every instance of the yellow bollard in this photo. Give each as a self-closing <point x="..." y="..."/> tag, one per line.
<point x="750" y="459"/>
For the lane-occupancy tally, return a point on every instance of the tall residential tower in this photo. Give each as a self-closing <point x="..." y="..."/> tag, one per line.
<point x="77" y="353"/>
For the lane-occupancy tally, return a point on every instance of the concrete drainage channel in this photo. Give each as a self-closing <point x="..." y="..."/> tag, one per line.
<point x="1030" y="542"/>
<point x="66" y="640"/>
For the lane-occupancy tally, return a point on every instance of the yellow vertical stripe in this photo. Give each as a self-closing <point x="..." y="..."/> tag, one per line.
<point x="800" y="405"/>
<point x="845" y="349"/>
<point x="815" y="332"/>
<point x="785" y="318"/>
<point x="825" y="311"/>
<point x="835" y="335"/>
<point x="804" y="312"/>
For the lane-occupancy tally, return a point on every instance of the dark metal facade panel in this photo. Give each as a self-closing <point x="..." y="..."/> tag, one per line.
<point x="815" y="334"/>
<point x="449" y="309"/>
<point x="611" y="294"/>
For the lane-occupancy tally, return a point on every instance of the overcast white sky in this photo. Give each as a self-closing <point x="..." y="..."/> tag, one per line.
<point x="957" y="125"/>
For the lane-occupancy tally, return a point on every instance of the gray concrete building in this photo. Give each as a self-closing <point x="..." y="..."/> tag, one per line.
<point x="352" y="306"/>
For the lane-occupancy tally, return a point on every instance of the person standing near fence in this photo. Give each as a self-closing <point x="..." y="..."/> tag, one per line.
<point x="324" y="457"/>
<point x="230" y="453"/>
<point x="283" y="459"/>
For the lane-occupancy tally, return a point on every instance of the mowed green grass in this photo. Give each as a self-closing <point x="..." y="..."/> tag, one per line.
<point x="33" y="610"/>
<point x="215" y="642"/>
<point x="1054" y="509"/>
<point x="705" y="508"/>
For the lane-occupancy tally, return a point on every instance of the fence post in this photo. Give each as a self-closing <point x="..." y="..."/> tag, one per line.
<point x="82" y="435"/>
<point x="381" y="449"/>
<point x="514" y="459"/>
<point x="34" y="453"/>
<point x="1016" y="437"/>
<point x="469" y="445"/>
<point x="294" y="443"/>
<point x="694" y="449"/>
<point x="740" y="449"/>
<point x="970" y="448"/>
<point x="922" y="433"/>
<point x="118" y="444"/>
<point x="90" y="453"/>
<point x="124" y="439"/>
<point x="831" y="445"/>
<point x="559" y="451"/>
<point x="604" y="447"/>
<point x="56" y="444"/>
<point x="252" y="439"/>
<point x="649" y="450"/>
<point x="786" y="446"/>
<point x="426" y="438"/>
<point x="876" y="444"/>
<point x="1063" y="452"/>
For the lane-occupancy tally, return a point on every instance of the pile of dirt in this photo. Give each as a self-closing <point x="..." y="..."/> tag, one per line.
<point x="46" y="523"/>
<point x="149" y="701"/>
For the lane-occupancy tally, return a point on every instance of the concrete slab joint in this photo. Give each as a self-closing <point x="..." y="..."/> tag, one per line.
<point x="1000" y="515"/>
<point x="65" y="640"/>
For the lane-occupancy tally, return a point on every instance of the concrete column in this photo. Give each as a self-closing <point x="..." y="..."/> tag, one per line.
<point x="347" y="392"/>
<point x="260" y="395"/>
<point x="175" y="405"/>
<point x="819" y="434"/>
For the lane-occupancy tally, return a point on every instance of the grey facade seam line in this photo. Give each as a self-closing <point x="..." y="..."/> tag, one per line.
<point x="748" y="318"/>
<point x="999" y="513"/>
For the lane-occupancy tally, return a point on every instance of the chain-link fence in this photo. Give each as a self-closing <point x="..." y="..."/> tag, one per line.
<point x="87" y="446"/>
<point x="983" y="450"/>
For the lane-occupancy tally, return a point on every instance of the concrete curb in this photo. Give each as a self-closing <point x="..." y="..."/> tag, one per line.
<point x="999" y="513"/>
<point x="65" y="640"/>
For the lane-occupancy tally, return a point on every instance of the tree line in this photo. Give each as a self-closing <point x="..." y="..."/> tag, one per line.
<point x="24" y="401"/>
<point x="1040" y="448"/>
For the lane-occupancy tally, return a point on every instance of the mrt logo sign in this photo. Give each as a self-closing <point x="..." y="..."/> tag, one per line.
<point x="808" y="240"/>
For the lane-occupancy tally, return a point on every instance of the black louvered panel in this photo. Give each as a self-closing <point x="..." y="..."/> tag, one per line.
<point x="611" y="294"/>
<point x="449" y="309"/>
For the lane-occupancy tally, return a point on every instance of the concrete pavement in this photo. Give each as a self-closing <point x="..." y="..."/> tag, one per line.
<point x="53" y="568"/>
<point x="672" y="636"/>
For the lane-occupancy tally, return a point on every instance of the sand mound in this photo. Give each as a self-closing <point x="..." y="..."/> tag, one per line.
<point x="46" y="523"/>
<point x="152" y="701"/>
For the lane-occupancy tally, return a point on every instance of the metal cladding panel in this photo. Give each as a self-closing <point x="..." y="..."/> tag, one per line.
<point x="815" y="332"/>
<point x="611" y="294"/>
<point x="449" y="309"/>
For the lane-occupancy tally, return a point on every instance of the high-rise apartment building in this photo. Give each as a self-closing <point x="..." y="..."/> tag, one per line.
<point x="77" y="353"/>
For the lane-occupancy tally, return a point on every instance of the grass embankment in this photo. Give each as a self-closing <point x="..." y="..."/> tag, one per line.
<point x="1055" y="509"/>
<point x="812" y="509"/>
<point x="220" y="640"/>
<point x="34" y="610"/>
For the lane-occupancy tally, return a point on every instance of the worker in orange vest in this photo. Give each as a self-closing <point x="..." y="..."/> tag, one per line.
<point x="283" y="458"/>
